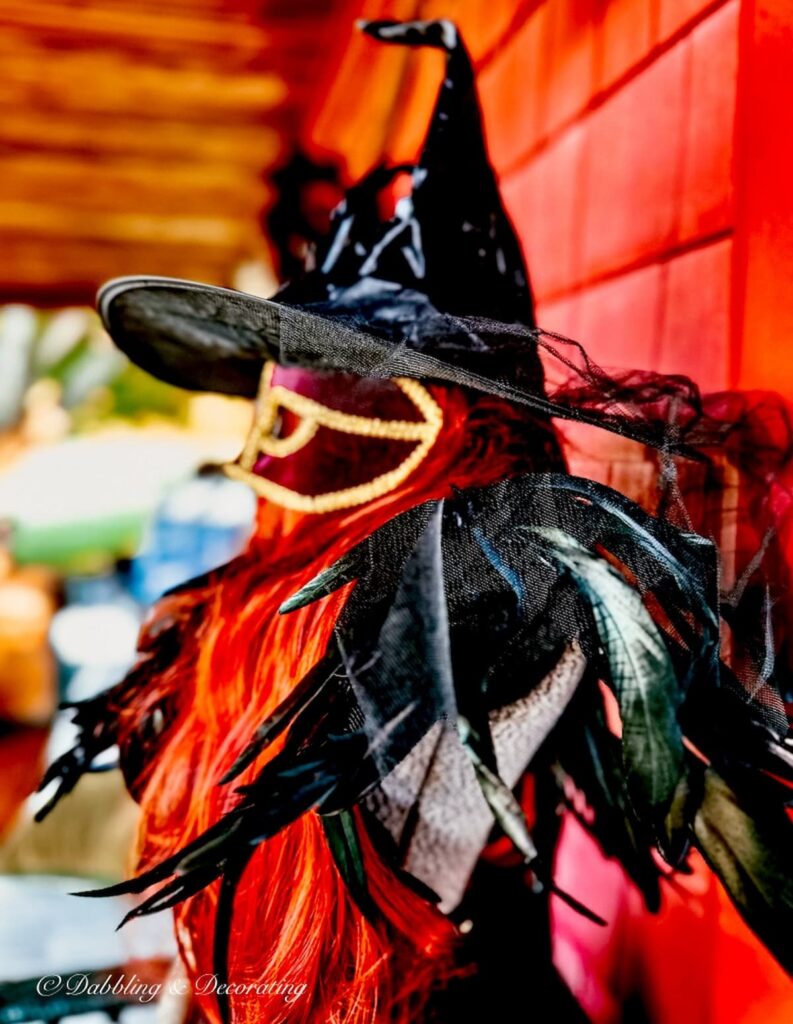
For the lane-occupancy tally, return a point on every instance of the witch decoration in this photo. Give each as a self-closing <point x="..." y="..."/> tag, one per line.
<point x="424" y="643"/>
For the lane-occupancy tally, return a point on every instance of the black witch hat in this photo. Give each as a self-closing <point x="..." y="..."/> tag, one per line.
<point x="440" y="292"/>
<point x="381" y="294"/>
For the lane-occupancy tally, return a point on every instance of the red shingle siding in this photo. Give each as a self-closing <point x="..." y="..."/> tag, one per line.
<point x="621" y="317"/>
<point x="613" y="179"/>
<point x="694" y="335"/>
<point x="517" y="69"/>
<point x="545" y="200"/>
<point x="675" y="15"/>
<point x="633" y="166"/>
<point x="625" y="35"/>
<point x="707" y="187"/>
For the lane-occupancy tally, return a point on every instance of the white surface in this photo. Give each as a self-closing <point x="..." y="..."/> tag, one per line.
<point x="44" y="930"/>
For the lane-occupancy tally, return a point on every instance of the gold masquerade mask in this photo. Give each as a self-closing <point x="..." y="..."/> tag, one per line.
<point x="310" y="415"/>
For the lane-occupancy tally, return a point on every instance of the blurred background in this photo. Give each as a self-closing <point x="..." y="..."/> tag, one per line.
<point x="644" y="162"/>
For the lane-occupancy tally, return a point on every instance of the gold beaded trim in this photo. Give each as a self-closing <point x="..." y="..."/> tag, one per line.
<point x="313" y="415"/>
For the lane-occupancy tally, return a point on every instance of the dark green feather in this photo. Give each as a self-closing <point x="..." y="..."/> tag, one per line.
<point x="642" y="674"/>
<point x="751" y="851"/>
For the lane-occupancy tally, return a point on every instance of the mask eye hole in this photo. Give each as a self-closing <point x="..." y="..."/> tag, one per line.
<point x="287" y="420"/>
<point x="285" y="432"/>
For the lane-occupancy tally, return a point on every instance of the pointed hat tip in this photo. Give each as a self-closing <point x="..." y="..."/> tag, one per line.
<point x="440" y="33"/>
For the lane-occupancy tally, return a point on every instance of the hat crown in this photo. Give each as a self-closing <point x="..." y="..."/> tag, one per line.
<point x="451" y="238"/>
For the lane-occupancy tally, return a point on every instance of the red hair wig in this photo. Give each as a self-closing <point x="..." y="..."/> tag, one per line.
<point x="293" y="921"/>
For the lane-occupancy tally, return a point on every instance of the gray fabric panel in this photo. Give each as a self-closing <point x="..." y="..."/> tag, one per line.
<point x="454" y="820"/>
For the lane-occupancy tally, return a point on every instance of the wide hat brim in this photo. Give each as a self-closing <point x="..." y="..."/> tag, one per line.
<point x="205" y="338"/>
<point x="192" y="335"/>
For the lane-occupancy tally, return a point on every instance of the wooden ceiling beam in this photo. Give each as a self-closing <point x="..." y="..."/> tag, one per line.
<point x="136" y="136"/>
<point x="250" y="145"/>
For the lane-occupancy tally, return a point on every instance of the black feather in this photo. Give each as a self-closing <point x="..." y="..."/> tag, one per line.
<point x="342" y="835"/>
<point x="749" y="843"/>
<point x="308" y="690"/>
<point x="223" y="925"/>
